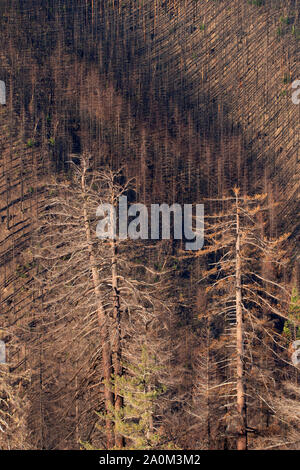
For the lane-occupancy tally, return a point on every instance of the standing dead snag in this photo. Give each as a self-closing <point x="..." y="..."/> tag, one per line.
<point x="117" y="353"/>
<point x="77" y="275"/>
<point x="245" y="298"/>
<point x="72" y="284"/>
<point x="136" y="308"/>
<point x="240" y="386"/>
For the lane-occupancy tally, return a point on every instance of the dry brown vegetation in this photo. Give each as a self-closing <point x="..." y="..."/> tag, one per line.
<point x="190" y="99"/>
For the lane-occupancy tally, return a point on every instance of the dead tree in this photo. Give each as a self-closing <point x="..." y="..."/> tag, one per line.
<point x="246" y="300"/>
<point x="71" y="263"/>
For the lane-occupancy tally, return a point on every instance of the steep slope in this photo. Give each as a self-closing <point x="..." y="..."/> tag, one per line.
<point x="190" y="96"/>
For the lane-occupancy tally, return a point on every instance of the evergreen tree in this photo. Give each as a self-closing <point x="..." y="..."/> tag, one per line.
<point x="140" y="394"/>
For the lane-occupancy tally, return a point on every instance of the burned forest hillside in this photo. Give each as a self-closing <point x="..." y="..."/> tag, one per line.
<point x="166" y="102"/>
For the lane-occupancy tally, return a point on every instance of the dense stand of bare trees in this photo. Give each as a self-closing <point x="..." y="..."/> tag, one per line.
<point x="189" y="99"/>
<point x="99" y="294"/>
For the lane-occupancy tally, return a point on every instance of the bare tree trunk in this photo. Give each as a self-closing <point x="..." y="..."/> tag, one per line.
<point x="77" y="410"/>
<point x="241" y="405"/>
<point x="119" y="441"/>
<point x="106" y="353"/>
<point x="207" y="389"/>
